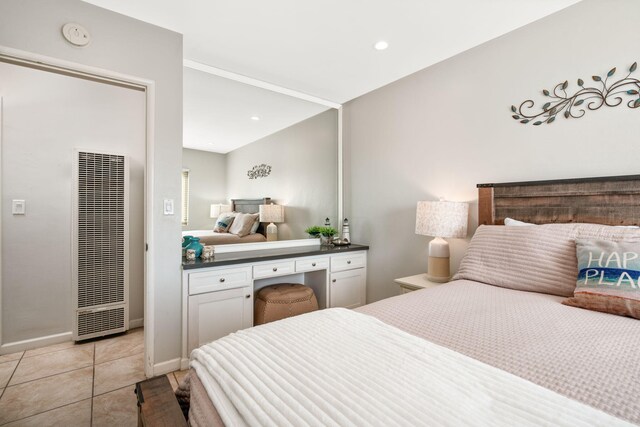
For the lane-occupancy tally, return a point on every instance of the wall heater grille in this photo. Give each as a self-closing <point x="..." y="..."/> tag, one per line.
<point x="101" y="245"/>
<point x="96" y="322"/>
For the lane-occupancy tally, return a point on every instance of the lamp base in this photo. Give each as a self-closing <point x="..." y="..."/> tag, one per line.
<point x="438" y="269"/>
<point x="438" y="266"/>
<point x="272" y="232"/>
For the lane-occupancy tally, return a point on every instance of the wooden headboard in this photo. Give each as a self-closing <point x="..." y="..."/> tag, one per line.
<point x="609" y="200"/>
<point x="250" y="206"/>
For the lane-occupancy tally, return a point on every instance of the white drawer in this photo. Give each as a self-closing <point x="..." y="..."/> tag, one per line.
<point x="311" y="264"/>
<point x="348" y="261"/>
<point x="272" y="269"/>
<point x="219" y="279"/>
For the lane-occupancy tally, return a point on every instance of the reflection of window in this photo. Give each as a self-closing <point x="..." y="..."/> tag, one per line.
<point x="185" y="196"/>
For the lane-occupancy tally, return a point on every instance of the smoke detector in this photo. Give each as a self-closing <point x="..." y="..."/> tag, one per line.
<point x="76" y="34"/>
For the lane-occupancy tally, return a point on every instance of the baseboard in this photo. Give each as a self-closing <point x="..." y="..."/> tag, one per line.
<point x="184" y="363"/>
<point x="136" y="323"/>
<point x="12" y="347"/>
<point x="166" y="367"/>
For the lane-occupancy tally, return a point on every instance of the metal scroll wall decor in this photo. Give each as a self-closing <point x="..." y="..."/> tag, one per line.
<point x="611" y="94"/>
<point x="259" y="171"/>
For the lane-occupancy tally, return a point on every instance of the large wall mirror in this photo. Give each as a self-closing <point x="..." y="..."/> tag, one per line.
<point x="245" y="146"/>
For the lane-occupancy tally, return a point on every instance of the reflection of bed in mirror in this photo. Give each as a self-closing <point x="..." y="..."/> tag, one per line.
<point x="250" y="206"/>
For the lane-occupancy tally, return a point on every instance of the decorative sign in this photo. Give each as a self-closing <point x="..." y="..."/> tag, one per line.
<point x="611" y="94"/>
<point x="259" y="171"/>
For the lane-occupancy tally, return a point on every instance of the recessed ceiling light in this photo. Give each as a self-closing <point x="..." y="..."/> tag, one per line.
<point x="256" y="118"/>
<point x="381" y="45"/>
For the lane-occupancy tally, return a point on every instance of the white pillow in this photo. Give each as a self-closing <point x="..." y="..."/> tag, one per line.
<point x="242" y="223"/>
<point x="515" y="222"/>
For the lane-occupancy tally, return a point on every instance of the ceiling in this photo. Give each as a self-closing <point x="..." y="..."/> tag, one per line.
<point x="325" y="48"/>
<point x="218" y="111"/>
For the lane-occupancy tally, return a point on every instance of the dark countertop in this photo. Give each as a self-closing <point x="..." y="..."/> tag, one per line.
<point x="268" y="255"/>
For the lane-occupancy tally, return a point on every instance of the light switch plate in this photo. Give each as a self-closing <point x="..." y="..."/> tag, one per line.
<point x="168" y="206"/>
<point x="18" y="207"/>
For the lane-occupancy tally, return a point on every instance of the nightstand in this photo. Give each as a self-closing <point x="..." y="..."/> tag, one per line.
<point x="414" y="283"/>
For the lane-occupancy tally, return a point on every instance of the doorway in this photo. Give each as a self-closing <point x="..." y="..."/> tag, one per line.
<point x="46" y="116"/>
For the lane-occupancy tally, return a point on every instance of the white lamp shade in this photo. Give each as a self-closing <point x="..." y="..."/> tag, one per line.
<point x="271" y="213"/>
<point x="217" y="209"/>
<point x="442" y="219"/>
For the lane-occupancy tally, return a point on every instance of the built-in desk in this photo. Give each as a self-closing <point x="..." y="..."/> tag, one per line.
<point x="218" y="294"/>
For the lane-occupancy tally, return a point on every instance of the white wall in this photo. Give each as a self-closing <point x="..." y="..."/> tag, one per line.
<point x="304" y="174"/>
<point x="47" y="116"/>
<point x="441" y="131"/>
<point x="131" y="47"/>
<point x="207" y="185"/>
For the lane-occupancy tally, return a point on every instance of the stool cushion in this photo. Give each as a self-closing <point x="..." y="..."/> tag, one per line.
<point x="283" y="300"/>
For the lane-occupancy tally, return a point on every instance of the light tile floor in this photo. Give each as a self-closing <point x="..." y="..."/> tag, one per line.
<point x="69" y="384"/>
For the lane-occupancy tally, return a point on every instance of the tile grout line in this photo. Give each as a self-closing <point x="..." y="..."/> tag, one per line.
<point x="12" y="374"/>
<point x="45" y="376"/>
<point x="62" y="372"/>
<point x="52" y="351"/>
<point x="44" y="412"/>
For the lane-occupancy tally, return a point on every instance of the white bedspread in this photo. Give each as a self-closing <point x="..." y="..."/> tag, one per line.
<point x="339" y="367"/>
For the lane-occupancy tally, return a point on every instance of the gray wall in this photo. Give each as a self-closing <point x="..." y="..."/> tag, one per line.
<point x="47" y="116"/>
<point x="304" y="175"/>
<point x="207" y="185"/>
<point x="442" y="130"/>
<point x="131" y="47"/>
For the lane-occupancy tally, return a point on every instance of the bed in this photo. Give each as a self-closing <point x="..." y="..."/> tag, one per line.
<point x="463" y="353"/>
<point x="251" y="206"/>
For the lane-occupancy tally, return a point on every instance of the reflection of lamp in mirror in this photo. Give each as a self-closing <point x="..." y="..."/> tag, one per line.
<point x="271" y="214"/>
<point x="218" y="208"/>
<point x="441" y="219"/>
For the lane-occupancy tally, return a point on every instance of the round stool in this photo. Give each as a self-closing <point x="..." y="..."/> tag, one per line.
<point x="283" y="300"/>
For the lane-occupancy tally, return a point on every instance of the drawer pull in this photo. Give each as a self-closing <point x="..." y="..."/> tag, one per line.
<point x="313" y="264"/>
<point x="222" y="280"/>
<point x="334" y="280"/>
<point x="349" y="262"/>
<point x="275" y="268"/>
<point x="247" y="296"/>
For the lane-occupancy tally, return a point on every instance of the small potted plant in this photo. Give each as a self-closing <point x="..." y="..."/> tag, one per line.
<point x="327" y="234"/>
<point x="314" y="231"/>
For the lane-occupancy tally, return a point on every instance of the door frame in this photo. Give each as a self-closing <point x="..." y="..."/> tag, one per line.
<point x="73" y="69"/>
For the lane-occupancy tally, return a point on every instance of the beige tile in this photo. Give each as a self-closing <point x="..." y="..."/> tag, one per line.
<point x="44" y="365"/>
<point x="11" y="357"/>
<point x="116" y="408"/>
<point x="118" y="373"/>
<point x="55" y="347"/>
<point x="23" y="400"/>
<point x="180" y="375"/>
<point x="76" y="414"/>
<point x="6" y="369"/>
<point x="172" y="381"/>
<point x="123" y="346"/>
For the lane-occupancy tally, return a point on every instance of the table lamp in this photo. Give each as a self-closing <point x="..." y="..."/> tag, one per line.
<point x="441" y="219"/>
<point x="271" y="214"/>
<point x="217" y="209"/>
